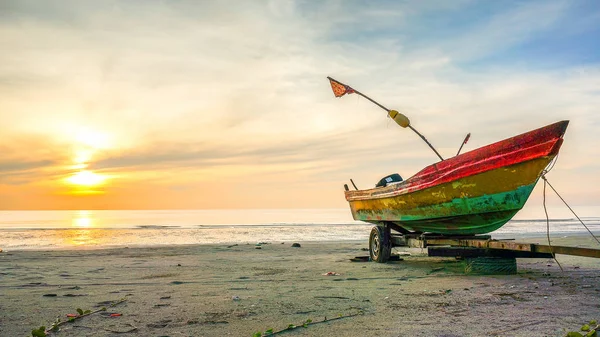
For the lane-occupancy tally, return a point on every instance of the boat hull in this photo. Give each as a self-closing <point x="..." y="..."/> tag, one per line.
<point x="457" y="196"/>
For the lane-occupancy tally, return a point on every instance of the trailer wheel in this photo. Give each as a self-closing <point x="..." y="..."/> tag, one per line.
<point x="380" y="244"/>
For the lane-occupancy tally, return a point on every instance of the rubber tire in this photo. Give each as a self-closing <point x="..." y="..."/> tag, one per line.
<point x="380" y="244"/>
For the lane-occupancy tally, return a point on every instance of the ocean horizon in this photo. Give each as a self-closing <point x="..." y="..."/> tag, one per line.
<point x="97" y="229"/>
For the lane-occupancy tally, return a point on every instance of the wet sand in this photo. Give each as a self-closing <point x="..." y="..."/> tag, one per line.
<point x="221" y="290"/>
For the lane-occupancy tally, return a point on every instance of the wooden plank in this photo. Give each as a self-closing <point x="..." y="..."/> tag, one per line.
<point x="496" y="244"/>
<point x="475" y="252"/>
<point x="577" y="251"/>
<point x="511" y="245"/>
<point x="477" y="243"/>
<point x="482" y="243"/>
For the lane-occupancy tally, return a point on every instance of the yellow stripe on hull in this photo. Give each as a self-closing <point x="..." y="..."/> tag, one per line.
<point x="495" y="181"/>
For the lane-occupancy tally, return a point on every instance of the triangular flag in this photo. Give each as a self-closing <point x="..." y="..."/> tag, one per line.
<point x="339" y="89"/>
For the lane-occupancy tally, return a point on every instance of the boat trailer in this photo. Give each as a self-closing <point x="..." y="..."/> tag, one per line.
<point x="481" y="252"/>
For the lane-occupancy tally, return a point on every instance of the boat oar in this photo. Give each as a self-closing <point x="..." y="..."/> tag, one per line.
<point x="340" y="89"/>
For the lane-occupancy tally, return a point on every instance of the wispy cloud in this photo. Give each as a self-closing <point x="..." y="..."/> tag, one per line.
<point x="11" y="166"/>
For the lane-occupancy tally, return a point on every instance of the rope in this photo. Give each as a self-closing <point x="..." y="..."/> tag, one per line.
<point x="551" y="166"/>
<point x="569" y="207"/>
<point x="548" y="226"/>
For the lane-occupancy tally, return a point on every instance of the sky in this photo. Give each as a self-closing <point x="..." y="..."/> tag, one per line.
<point x="222" y="104"/>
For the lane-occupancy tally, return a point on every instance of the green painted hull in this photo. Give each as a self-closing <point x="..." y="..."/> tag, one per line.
<point x="477" y="215"/>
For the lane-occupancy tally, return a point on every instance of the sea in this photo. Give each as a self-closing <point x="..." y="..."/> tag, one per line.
<point x="98" y="229"/>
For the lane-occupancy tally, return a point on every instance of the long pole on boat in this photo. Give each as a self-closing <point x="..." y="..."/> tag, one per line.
<point x="340" y="89"/>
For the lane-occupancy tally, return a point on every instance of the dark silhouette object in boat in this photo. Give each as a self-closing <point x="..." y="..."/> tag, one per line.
<point x="388" y="180"/>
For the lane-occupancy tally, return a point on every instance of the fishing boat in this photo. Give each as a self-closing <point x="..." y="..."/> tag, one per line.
<point x="470" y="194"/>
<point x="475" y="192"/>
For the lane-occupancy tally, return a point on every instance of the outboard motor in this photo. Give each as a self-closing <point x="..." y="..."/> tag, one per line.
<point x="387" y="180"/>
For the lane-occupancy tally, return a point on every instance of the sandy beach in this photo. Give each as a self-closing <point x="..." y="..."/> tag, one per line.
<point x="238" y="290"/>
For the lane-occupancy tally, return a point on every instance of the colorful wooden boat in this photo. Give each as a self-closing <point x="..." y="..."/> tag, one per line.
<point x="473" y="193"/>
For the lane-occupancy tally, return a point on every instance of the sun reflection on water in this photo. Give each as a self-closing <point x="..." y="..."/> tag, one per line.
<point x="83" y="233"/>
<point x="83" y="219"/>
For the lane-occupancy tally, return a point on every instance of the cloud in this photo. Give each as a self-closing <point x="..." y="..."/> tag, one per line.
<point x="284" y="151"/>
<point x="32" y="158"/>
<point x="11" y="166"/>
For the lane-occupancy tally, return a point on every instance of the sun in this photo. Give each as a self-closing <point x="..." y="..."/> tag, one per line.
<point x="86" y="145"/>
<point x="86" y="178"/>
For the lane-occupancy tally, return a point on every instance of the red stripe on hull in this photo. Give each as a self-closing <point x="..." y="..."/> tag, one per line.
<point x="545" y="141"/>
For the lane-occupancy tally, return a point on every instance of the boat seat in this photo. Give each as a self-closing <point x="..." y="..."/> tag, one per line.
<point x="389" y="180"/>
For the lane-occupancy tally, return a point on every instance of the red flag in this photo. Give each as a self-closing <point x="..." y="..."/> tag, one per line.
<point x="340" y="89"/>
